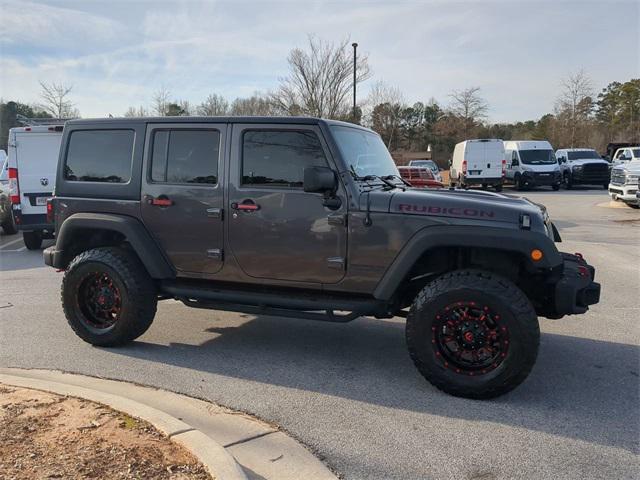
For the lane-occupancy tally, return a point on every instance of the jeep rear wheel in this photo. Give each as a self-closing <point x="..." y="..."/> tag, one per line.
<point x="473" y="334"/>
<point x="108" y="297"/>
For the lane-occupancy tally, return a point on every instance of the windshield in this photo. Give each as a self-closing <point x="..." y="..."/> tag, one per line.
<point x="424" y="163"/>
<point x="364" y="151"/>
<point x="538" y="157"/>
<point x="583" y="154"/>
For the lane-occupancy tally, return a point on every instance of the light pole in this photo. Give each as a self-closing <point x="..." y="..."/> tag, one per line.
<point x="355" y="46"/>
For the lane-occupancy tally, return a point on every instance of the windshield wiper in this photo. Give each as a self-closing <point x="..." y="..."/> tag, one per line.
<point x="391" y="177"/>
<point x="367" y="178"/>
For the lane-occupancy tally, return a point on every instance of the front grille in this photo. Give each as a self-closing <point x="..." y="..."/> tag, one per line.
<point x="595" y="172"/>
<point x="617" y="177"/>
<point x="595" y="168"/>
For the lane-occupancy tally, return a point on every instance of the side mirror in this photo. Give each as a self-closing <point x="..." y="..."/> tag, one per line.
<point x="514" y="162"/>
<point x="320" y="180"/>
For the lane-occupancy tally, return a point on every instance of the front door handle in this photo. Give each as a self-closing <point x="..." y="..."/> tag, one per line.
<point x="159" y="201"/>
<point x="246" y="206"/>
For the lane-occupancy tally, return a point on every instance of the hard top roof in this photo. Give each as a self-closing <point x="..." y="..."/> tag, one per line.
<point x="227" y="119"/>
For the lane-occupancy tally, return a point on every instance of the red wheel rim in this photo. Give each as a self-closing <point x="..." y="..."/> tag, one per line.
<point x="99" y="300"/>
<point x="470" y="338"/>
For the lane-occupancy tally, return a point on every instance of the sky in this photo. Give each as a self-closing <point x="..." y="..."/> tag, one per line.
<point x="117" y="53"/>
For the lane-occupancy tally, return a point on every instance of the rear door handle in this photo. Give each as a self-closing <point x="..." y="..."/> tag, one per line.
<point x="159" y="201"/>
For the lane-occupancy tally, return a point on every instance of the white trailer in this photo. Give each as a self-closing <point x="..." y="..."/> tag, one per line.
<point x="32" y="161"/>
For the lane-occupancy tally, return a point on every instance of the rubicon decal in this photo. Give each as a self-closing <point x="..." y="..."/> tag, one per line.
<point x="446" y="211"/>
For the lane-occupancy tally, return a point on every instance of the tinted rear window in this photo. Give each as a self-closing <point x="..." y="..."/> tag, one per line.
<point x="99" y="156"/>
<point x="185" y="156"/>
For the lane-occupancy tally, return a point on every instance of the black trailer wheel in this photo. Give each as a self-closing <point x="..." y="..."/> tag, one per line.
<point x="32" y="240"/>
<point x="473" y="334"/>
<point x="108" y="297"/>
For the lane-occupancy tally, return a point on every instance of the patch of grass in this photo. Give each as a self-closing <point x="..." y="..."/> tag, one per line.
<point x="128" y="422"/>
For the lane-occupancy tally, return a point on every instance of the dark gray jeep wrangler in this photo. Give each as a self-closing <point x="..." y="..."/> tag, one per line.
<point x="304" y="218"/>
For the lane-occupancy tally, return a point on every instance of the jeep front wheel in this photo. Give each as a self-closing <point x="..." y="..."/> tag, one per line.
<point x="108" y="297"/>
<point x="473" y="334"/>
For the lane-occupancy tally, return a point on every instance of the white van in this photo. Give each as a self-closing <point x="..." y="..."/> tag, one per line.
<point x="532" y="163"/>
<point x="478" y="162"/>
<point x="32" y="160"/>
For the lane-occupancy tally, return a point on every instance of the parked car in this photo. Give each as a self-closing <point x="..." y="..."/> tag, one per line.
<point x="626" y="154"/>
<point x="430" y="164"/>
<point x="624" y="182"/>
<point x="478" y="162"/>
<point x="303" y="218"/>
<point x="583" y="166"/>
<point x="7" y="220"/>
<point x="532" y="163"/>
<point x="419" y="177"/>
<point x="32" y="160"/>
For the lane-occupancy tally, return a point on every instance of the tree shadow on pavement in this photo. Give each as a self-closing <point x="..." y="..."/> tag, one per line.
<point x="576" y="382"/>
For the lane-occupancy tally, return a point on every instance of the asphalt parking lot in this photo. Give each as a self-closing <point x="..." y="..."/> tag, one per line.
<point x="351" y="393"/>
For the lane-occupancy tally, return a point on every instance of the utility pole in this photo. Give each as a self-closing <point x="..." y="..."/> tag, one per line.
<point x="355" y="46"/>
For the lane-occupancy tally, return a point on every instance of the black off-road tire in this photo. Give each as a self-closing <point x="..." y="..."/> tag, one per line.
<point x="517" y="314"/>
<point x="135" y="287"/>
<point x="568" y="183"/>
<point x="32" y="240"/>
<point x="9" y="226"/>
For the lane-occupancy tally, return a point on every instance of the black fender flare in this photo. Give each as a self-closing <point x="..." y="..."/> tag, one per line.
<point x="507" y="239"/>
<point x="131" y="228"/>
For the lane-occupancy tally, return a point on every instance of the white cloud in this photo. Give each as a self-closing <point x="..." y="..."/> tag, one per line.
<point x="117" y="54"/>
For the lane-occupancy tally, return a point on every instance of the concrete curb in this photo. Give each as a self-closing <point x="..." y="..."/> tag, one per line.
<point x="211" y="454"/>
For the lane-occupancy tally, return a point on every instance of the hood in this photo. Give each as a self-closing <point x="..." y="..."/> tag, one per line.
<point x="631" y="167"/>
<point x="543" y="168"/>
<point x="455" y="204"/>
<point x="587" y="161"/>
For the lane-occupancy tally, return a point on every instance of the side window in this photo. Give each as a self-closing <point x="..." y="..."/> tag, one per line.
<point x="99" y="156"/>
<point x="277" y="158"/>
<point x="185" y="156"/>
<point x="514" y="156"/>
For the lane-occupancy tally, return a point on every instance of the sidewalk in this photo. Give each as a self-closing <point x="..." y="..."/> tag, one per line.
<point x="233" y="445"/>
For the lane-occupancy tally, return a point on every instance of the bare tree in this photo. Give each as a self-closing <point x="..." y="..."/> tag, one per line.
<point x="136" y="112"/>
<point x="320" y="80"/>
<point x="256" y="105"/>
<point x="386" y="105"/>
<point x="575" y="103"/>
<point x="161" y="101"/>
<point x="56" y="100"/>
<point x="214" y="105"/>
<point x="469" y="107"/>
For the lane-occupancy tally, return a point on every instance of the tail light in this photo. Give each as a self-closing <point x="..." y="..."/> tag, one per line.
<point x="464" y="166"/>
<point x="50" y="211"/>
<point x="504" y="167"/>
<point x="14" y="189"/>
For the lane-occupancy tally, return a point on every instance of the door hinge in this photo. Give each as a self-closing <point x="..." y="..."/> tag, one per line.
<point x="215" y="213"/>
<point x="340" y="219"/>
<point x="215" y="253"/>
<point x="336" y="263"/>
